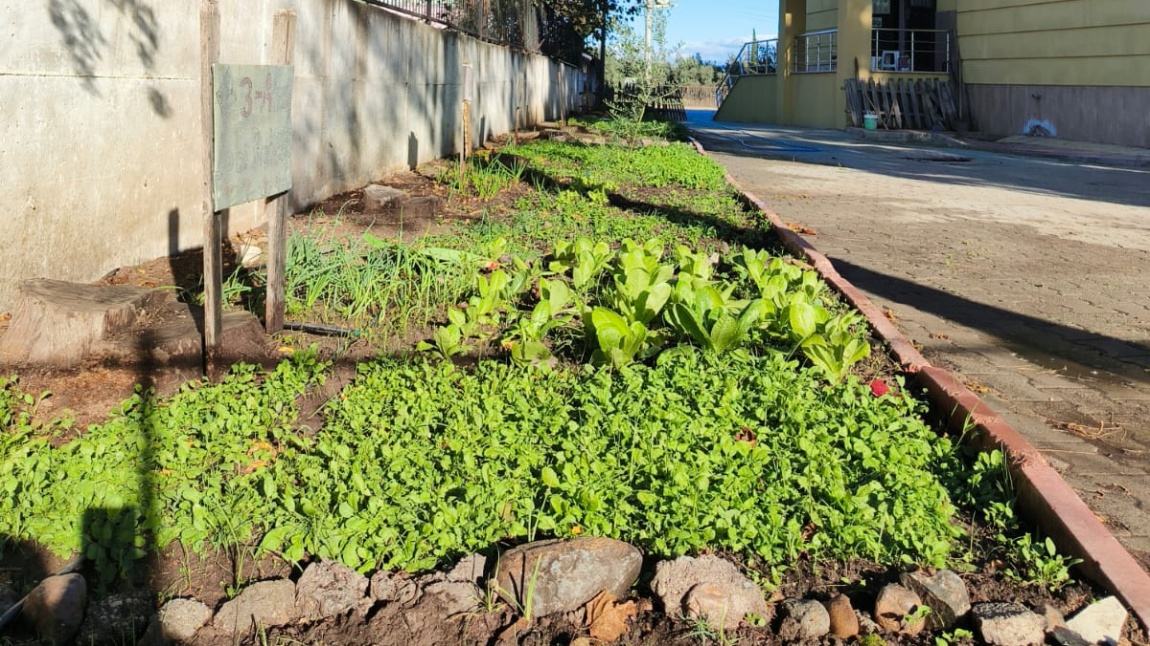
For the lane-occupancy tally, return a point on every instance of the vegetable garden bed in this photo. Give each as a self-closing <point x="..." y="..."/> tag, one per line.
<point x="593" y="340"/>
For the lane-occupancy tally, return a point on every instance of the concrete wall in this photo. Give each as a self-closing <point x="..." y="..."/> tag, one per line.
<point x="100" y="137"/>
<point x="822" y="14"/>
<point x="1075" y="69"/>
<point x="751" y="100"/>
<point x="1109" y="115"/>
<point x="816" y="101"/>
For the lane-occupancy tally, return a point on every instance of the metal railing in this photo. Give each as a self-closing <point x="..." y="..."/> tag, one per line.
<point x="816" y="51"/>
<point x="910" y="50"/>
<point x="432" y="10"/>
<point x="757" y="57"/>
<point x="506" y="22"/>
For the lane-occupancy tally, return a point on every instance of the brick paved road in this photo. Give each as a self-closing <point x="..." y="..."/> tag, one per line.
<point x="1029" y="278"/>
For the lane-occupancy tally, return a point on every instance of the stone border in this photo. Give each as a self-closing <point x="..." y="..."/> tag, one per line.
<point x="1045" y="497"/>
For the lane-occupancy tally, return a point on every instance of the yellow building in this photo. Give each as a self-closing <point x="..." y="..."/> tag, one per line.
<point x="1073" y="69"/>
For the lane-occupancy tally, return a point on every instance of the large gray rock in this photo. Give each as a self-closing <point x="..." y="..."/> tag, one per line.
<point x="116" y="619"/>
<point x="895" y="609"/>
<point x="1101" y="622"/>
<point x="56" y="607"/>
<point x="844" y="620"/>
<point x="180" y="619"/>
<point x="714" y="579"/>
<point x="560" y="576"/>
<point x="805" y="620"/>
<point x="943" y="592"/>
<point x="1008" y="624"/>
<point x="267" y="603"/>
<point x="326" y="589"/>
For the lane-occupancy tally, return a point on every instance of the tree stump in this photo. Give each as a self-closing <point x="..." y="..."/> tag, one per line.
<point x="58" y="323"/>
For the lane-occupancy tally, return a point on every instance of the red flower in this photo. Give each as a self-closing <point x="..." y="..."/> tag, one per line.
<point x="878" y="387"/>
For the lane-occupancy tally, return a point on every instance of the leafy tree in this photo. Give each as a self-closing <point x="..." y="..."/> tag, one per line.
<point x="693" y="70"/>
<point x="626" y="62"/>
<point x="569" y="24"/>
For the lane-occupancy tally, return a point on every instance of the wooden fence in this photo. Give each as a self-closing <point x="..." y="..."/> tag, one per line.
<point x="698" y="96"/>
<point x="918" y="104"/>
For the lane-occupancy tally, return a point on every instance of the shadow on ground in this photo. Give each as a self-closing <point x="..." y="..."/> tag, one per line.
<point x="1036" y="339"/>
<point x="946" y="166"/>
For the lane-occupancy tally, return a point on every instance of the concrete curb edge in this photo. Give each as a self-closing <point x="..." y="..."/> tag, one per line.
<point x="1046" y="499"/>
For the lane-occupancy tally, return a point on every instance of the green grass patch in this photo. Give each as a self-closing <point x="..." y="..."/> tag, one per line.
<point x="690" y="391"/>
<point x="422" y="461"/>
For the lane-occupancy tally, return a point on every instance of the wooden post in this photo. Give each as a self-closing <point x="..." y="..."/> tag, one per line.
<point x="468" y="82"/>
<point x="467" y="129"/>
<point x="276" y="208"/>
<point x="213" y="254"/>
<point x="563" y="73"/>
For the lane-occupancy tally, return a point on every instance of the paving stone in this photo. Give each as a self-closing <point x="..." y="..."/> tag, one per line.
<point x="1101" y="622"/>
<point x="1014" y="386"/>
<point x="1115" y="348"/>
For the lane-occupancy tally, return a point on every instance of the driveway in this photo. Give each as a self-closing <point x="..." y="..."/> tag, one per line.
<point x="1029" y="278"/>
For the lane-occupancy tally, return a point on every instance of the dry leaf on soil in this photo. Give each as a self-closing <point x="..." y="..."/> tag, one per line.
<point x="801" y="230"/>
<point x="607" y="619"/>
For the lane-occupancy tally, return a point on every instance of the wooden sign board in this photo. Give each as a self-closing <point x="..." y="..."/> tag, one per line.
<point x="251" y="147"/>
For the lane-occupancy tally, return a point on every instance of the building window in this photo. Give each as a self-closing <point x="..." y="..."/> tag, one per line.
<point x="904" y="38"/>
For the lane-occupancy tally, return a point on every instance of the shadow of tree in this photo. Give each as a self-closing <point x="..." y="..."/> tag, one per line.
<point x="146" y="33"/>
<point x="84" y="39"/>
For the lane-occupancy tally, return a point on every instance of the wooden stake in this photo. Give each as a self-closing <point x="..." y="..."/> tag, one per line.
<point x="213" y="254"/>
<point x="467" y="129"/>
<point x="277" y="208"/>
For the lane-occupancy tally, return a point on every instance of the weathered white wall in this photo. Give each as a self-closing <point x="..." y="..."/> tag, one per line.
<point x="100" y="138"/>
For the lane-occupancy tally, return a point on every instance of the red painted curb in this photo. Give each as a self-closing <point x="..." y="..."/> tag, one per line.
<point x="1044" y="497"/>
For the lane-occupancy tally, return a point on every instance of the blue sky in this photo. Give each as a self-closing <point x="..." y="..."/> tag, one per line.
<point x="718" y="28"/>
